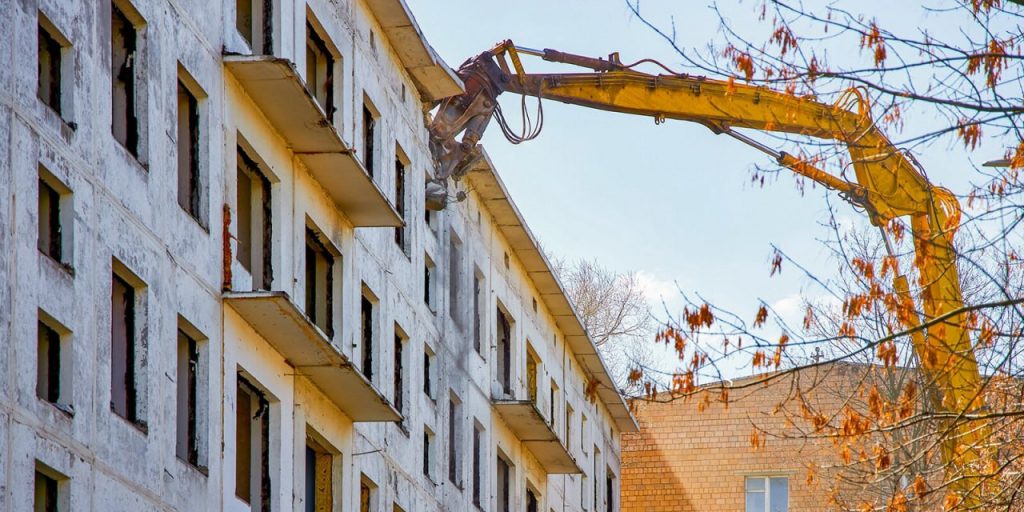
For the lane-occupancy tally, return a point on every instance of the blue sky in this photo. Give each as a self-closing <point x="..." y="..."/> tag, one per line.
<point x="674" y="201"/>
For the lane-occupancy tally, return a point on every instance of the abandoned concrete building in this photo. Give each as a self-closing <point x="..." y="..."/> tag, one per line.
<point x="220" y="289"/>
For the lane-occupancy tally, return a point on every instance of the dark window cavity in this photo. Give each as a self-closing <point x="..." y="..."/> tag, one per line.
<point x="124" y="350"/>
<point x="454" y="433"/>
<point x="189" y="179"/>
<point x="252" y="443"/>
<point x="51" y="232"/>
<point x="49" y="490"/>
<point x="477" y="463"/>
<point x="320" y="70"/>
<point x="188" y="410"/>
<point x="454" y="278"/>
<point x="399" y="371"/>
<point x="49" y="363"/>
<point x="369" y="138"/>
<point x="366" y="324"/>
<point x="124" y="77"/>
<point x="400" y="234"/>
<point x="51" y="66"/>
<point x="478" y="298"/>
<point x="504" y="352"/>
<point x="428" y="372"/>
<point x="504" y="473"/>
<point x="255" y="221"/>
<point x="254" y="21"/>
<point x="319" y="283"/>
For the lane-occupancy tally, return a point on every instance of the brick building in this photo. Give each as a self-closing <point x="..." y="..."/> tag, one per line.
<point x="698" y="455"/>
<point x="220" y="289"/>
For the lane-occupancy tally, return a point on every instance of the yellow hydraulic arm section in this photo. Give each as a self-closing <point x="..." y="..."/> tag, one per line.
<point x="888" y="185"/>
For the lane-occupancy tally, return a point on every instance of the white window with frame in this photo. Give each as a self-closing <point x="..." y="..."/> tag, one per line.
<point x="767" y="493"/>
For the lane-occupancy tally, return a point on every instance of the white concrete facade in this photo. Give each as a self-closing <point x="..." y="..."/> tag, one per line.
<point x="120" y="215"/>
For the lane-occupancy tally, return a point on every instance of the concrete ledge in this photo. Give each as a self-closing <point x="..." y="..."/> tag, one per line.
<point x="285" y="327"/>
<point x="280" y="93"/>
<point x="536" y="434"/>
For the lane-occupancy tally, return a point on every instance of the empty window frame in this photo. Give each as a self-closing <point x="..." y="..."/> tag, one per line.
<point x="254" y="221"/>
<point x="398" y="369"/>
<point x="319" y="476"/>
<point x="766" y="493"/>
<point x="190" y="395"/>
<point x="478" y="308"/>
<point x="369" y="136"/>
<point x="504" y="351"/>
<point x="125" y="80"/>
<point x="428" y="371"/>
<point x="503" y="479"/>
<point x="609" y="489"/>
<point x="254" y="21"/>
<point x="478" y="468"/>
<point x="53" y="361"/>
<point x="126" y="349"/>
<point x="428" y="453"/>
<point x="532" y="504"/>
<point x="319" y="282"/>
<point x="584" y="433"/>
<point x="597" y="478"/>
<point x="568" y="425"/>
<point x="190" y="180"/>
<point x="400" y="200"/>
<point x="552" y="405"/>
<point x="428" y="282"/>
<point x="252" y="446"/>
<point x="55" y="218"/>
<point x="54" y="72"/>
<point x="532" y="375"/>
<point x="366" y="328"/>
<point x="455" y="277"/>
<point x="454" y="440"/>
<point x="319" y="68"/>
<point x="367" y="495"/>
<point x="49" y="490"/>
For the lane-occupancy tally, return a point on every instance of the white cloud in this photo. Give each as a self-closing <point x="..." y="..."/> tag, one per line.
<point x="656" y="289"/>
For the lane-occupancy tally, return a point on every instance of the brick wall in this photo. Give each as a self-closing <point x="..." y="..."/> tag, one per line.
<point x="685" y="459"/>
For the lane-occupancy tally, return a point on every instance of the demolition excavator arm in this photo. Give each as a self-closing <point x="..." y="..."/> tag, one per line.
<point x="888" y="185"/>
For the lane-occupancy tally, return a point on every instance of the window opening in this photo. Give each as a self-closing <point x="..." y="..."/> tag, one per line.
<point x="319" y="283"/>
<point x="252" y="443"/>
<point x="366" y="321"/>
<point x="188" y="153"/>
<point x="125" y="77"/>
<point x="255" y="221"/>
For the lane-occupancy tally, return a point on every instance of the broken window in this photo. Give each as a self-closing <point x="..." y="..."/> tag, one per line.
<point x="584" y="434"/>
<point x="51" y="86"/>
<point x="366" y="322"/>
<point x="124" y="350"/>
<point x="597" y="457"/>
<point x="503" y="479"/>
<point x="124" y="77"/>
<point x="454" y="436"/>
<point x="428" y="282"/>
<point x="188" y="410"/>
<point x="399" y="370"/>
<point x="189" y="181"/>
<point x="400" y="236"/>
<point x="319" y="283"/>
<point x="454" y="277"/>
<point x="252" y="446"/>
<point x="49" y="493"/>
<point x="428" y="372"/>
<point x="428" y="453"/>
<point x="53" y="237"/>
<point x="255" y="226"/>
<point x="478" y="298"/>
<point x="369" y="137"/>
<point x="504" y="350"/>
<point x="49" y="364"/>
<point x="319" y="477"/>
<point x="254" y="21"/>
<point x="319" y="70"/>
<point x="478" y="434"/>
